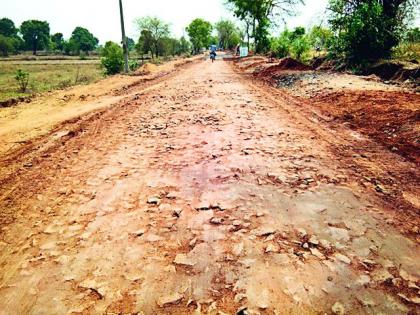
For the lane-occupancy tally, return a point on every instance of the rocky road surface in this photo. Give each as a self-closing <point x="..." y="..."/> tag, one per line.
<point x="207" y="194"/>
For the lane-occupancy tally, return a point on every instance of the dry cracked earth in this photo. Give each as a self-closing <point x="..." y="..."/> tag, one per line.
<point x="204" y="195"/>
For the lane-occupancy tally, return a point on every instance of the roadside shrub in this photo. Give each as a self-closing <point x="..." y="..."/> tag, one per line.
<point x="6" y="46"/>
<point x="280" y="47"/>
<point x="367" y="31"/>
<point x="133" y="65"/>
<point x="300" y="47"/>
<point x="22" y="79"/>
<point x="112" y="58"/>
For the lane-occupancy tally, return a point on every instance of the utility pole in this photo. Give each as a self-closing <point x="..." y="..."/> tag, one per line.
<point x="124" y="38"/>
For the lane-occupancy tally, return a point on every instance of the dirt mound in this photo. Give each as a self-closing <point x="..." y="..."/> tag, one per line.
<point x="147" y="68"/>
<point x="391" y="118"/>
<point x="395" y="71"/>
<point x="284" y="64"/>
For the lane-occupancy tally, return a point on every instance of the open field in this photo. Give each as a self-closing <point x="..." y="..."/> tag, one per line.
<point x="46" y="75"/>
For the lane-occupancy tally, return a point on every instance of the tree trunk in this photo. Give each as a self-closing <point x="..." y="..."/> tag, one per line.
<point x="35" y="47"/>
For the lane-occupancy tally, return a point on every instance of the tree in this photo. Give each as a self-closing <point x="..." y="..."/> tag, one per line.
<point x="6" y="45"/>
<point x="259" y="14"/>
<point x="83" y="40"/>
<point x="320" y="37"/>
<point x="156" y="30"/>
<point x="7" y="28"/>
<point x="145" y="43"/>
<point x="112" y="58"/>
<point x="199" y="32"/>
<point x="36" y="34"/>
<point x="367" y="30"/>
<point x="57" y="42"/>
<point x="228" y="34"/>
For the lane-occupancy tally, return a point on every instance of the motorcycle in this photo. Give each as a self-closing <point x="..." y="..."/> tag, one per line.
<point x="213" y="56"/>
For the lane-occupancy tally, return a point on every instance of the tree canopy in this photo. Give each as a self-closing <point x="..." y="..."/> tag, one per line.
<point x="199" y="32"/>
<point x="228" y="34"/>
<point x="8" y="28"/>
<point x="36" y="34"/>
<point x="83" y="40"/>
<point x="153" y="31"/>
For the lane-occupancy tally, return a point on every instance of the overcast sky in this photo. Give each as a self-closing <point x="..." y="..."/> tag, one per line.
<point x="101" y="17"/>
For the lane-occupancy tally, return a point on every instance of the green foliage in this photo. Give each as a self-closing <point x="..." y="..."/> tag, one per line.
<point x="367" y="30"/>
<point x="291" y="43"/>
<point x="199" y="32"/>
<point x="36" y="34"/>
<point x="300" y="47"/>
<point x="320" y="38"/>
<point x="258" y="16"/>
<point x="6" y="45"/>
<point x="133" y="64"/>
<point x="412" y="35"/>
<point x="22" y="79"/>
<point x="57" y="42"/>
<point x="112" y="58"/>
<point x="8" y="28"/>
<point x="82" y="40"/>
<point x="228" y="34"/>
<point x="153" y="30"/>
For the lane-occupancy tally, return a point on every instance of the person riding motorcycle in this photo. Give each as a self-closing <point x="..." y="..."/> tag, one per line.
<point x="213" y="54"/>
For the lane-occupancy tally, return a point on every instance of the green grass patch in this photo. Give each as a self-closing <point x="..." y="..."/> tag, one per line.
<point x="46" y="77"/>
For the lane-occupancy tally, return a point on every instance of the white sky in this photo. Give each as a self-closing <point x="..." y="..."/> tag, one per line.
<point x="101" y="17"/>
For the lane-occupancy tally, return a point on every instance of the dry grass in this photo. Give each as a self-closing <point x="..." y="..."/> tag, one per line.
<point x="46" y="75"/>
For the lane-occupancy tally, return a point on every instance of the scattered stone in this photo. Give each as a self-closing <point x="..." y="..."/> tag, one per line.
<point x="317" y="253"/>
<point x="338" y="308"/>
<point x="203" y="206"/>
<point x="343" y="258"/>
<point x="193" y="242"/>
<point x="313" y="240"/>
<point x="238" y="249"/>
<point x="271" y="248"/>
<point x="259" y="214"/>
<point x="325" y="244"/>
<point x="182" y="259"/>
<point x="237" y="223"/>
<point x="240" y="297"/>
<point x="154" y="201"/>
<point x="363" y="280"/>
<point x="172" y="195"/>
<point x="154" y="238"/>
<point x="174" y="298"/>
<point x="302" y="232"/>
<point x="139" y="233"/>
<point x="305" y="245"/>
<point x="264" y="231"/>
<point x="216" y="221"/>
<point x="382" y="275"/>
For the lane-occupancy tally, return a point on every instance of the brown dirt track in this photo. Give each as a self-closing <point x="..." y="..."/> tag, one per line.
<point x="208" y="196"/>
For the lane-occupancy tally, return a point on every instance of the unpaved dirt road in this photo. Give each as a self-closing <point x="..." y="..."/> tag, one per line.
<point x="207" y="194"/>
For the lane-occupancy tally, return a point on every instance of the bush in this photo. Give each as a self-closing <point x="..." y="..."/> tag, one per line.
<point x="367" y="30"/>
<point x="133" y="65"/>
<point x="112" y="58"/>
<point x="22" y="78"/>
<point x="300" y="47"/>
<point x="280" y="47"/>
<point x="6" y="45"/>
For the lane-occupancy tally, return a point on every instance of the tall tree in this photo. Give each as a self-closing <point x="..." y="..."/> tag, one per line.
<point x="36" y="34"/>
<point x="367" y="30"/>
<point x="8" y="28"/>
<point x="156" y="29"/>
<point x="57" y="41"/>
<point x="228" y="34"/>
<point x="83" y="40"/>
<point x="260" y="14"/>
<point x="199" y="32"/>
